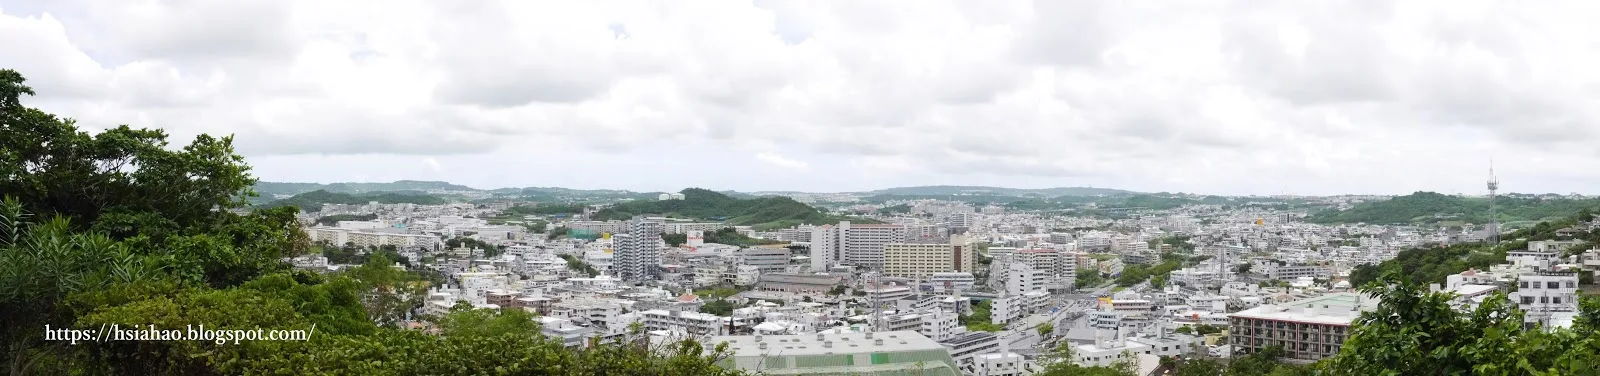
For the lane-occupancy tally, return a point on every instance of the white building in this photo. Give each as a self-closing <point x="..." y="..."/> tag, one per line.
<point x="860" y="245"/>
<point x="966" y="347"/>
<point x="837" y="352"/>
<point x="1004" y="364"/>
<point x="1547" y="296"/>
<point x="638" y="254"/>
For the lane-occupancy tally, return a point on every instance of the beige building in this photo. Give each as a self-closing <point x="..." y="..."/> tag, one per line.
<point x="921" y="260"/>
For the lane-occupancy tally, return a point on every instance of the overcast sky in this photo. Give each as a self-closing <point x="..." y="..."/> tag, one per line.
<point x="1221" y="97"/>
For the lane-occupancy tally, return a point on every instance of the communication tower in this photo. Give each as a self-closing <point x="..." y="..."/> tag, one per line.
<point x="1494" y="220"/>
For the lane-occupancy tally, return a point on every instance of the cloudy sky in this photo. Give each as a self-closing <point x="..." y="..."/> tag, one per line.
<point x="1222" y="97"/>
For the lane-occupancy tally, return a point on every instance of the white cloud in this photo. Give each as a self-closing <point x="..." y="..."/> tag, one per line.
<point x="1220" y="96"/>
<point x="433" y="164"/>
<point x="781" y="161"/>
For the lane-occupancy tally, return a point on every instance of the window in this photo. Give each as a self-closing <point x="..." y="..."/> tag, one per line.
<point x="1553" y="285"/>
<point x="1544" y="299"/>
<point x="1524" y="284"/>
<point x="1527" y="300"/>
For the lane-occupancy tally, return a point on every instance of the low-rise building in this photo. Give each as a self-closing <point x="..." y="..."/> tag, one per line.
<point x="1308" y="330"/>
<point x="838" y="353"/>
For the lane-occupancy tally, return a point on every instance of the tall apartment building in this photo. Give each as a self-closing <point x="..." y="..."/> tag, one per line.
<point x="1308" y="330"/>
<point x="860" y="245"/>
<point x="921" y="260"/>
<point x="613" y="226"/>
<point x="638" y="253"/>
<point x="373" y="237"/>
<point x="1022" y="278"/>
<point x="959" y="220"/>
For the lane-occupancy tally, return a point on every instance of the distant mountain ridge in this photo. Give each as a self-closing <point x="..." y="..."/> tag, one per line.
<point x="267" y="188"/>
<point x="1001" y="191"/>
<point x="769" y="212"/>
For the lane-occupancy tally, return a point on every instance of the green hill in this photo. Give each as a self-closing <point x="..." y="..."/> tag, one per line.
<point x="946" y="190"/>
<point x="1430" y="207"/>
<point x="313" y="201"/>
<point x="267" y="188"/>
<point x="774" y="211"/>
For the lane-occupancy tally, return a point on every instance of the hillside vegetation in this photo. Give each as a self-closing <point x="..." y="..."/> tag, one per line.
<point x="1430" y="207"/>
<point x="313" y="201"/>
<point x="946" y="190"/>
<point x="712" y="206"/>
<point x="276" y="188"/>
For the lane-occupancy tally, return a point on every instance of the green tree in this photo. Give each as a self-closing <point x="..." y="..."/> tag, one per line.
<point x="1413" y="331"/>
<point x="127" y="175"/>
<point x="1045" y="330"/>
<point x="674" y="240"/>
<point x="1088" y="277"/>
<point x="718" y="307"/>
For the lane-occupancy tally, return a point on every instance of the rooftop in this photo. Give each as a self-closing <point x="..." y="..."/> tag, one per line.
<point x="1332" y="309"/>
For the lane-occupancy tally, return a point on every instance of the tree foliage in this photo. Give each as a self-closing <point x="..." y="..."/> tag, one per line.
<point x="1413" y="332"/>
<point x="710" y="205"/>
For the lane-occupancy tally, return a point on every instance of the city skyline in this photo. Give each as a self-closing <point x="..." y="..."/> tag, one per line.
<point x="1222" y="98"/>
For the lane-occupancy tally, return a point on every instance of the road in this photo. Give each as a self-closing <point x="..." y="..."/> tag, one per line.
<point x="1022" y="336"/>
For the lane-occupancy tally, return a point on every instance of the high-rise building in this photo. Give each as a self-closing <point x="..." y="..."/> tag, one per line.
<point x="860" y="245"/>
<point x="639" y="252"/>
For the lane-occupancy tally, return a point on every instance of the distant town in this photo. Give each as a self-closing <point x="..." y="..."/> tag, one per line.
<point x="981" y="280"/>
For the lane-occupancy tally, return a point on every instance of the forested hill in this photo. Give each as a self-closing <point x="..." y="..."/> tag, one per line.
<point x="313" y="201"/>
<point x="267" y="188"/>
<point x="945" y="190"/>
<point x="1430" y="207"/>
<point x="772" y="211"/>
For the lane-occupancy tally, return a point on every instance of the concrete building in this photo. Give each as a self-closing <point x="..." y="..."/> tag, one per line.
<point x="799" y="283"/>
<point x="689" y="322"/>
<point x="948" y="282"/>
<point x="1021" y="278"/>
<point x="914" y="260"/>
<point x="838" y="353"/>
<point x="1004" y="364"/>
<point x="768" y="260"/>
<point x="1308" y="330"/>
<point x="965" y="348"/>
<point x="860" y="245"/>
<point x="1547" y="296"/>
<point x="373" y="237"/>
<point x="639" y="253"/>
